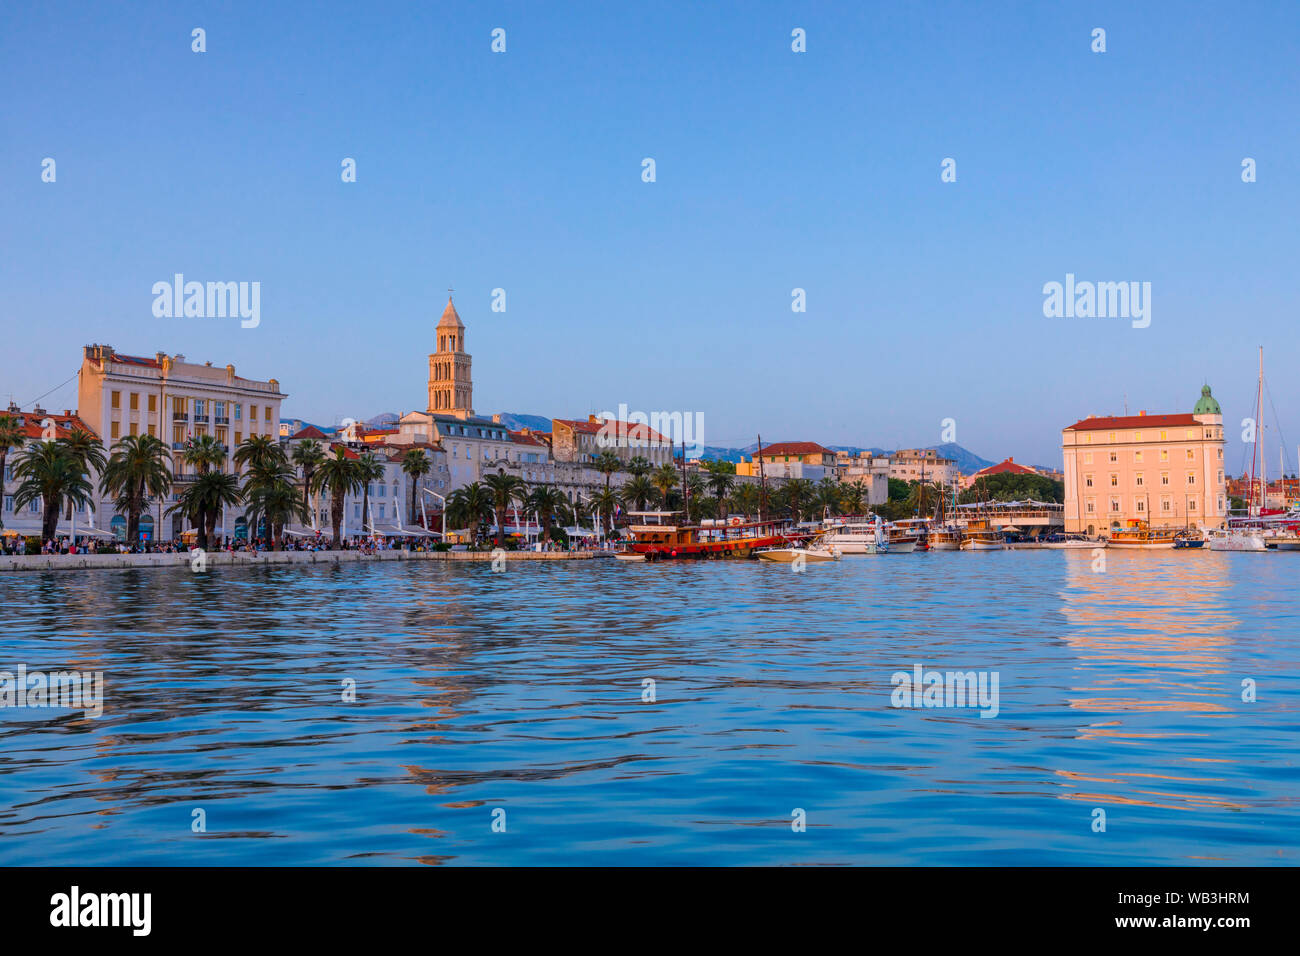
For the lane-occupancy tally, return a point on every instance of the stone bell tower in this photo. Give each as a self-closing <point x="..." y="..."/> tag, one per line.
<point x="450" y="390"/>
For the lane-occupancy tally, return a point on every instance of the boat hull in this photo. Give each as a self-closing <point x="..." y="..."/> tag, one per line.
<point x="791" y="555"/>
<point x="975" y="544"/>
<point x="1073" y="545"/>
<point x="1252" y="543"/>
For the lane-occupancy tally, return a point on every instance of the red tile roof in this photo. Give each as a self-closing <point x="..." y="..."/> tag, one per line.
<point x="795" y="448"/>
<point x="519" y="438"/>
<point x="148" y="362"/>
<point x="64" y="425"/>
<point x="311" y="431"/>
<point x="1132" y="421"/>
<point x="1007" y="467"/>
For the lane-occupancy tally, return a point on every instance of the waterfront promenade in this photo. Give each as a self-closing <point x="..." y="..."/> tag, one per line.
<point x="77" y="562"/>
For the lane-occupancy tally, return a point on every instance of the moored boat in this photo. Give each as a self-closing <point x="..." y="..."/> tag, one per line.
<point x="1140" y="535"/>
<point x="659" y="537"/>
<point x="857" y="536"/>
<point x="792" y="555"/>
<point x="1065" y="542"/>
<point x="1237" y="539"/>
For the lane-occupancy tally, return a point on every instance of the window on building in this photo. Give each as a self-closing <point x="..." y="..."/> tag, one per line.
<point x="1165" y="504"/>
<point x="1191" y="455"/>
<point x="1164" y="436"/>
<point x="133" y="401"/>
<point x="1138" y="479"/>
<point x="252" y="413"/>
<point x="1191" y="504"/>
<point x="153" y="403"/>
<point x="115" y="399"/>
<point x="114" y="429"/>
<point x="1137" y="457"/>
<point x="1087" y="481"/>
<point x="1191" y="477"/>
<point x="1114" y="481"/>
<point x="1087" y="458"/>
<point x="1141" y="505"/>
<point x="134" y="429"/>
<point x="1164" y="454"/>
<point x="1114" y="457"/>
<point x="1114" y="506"/>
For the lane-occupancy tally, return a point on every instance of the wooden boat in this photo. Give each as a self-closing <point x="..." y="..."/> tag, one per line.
<point x="1141" y="536"/>
<point x="628" y="556"/>
<point x="945" y="539"/>
<point x="902" y="539"/>
<point x="660" y="538"/>
<point x="981" y="536"/>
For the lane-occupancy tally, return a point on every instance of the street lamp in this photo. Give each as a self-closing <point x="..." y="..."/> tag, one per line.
<point x="595" y="513"/>
<point x="444" y="511"/>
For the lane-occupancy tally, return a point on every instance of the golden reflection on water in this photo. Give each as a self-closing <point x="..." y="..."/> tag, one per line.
<point x="1151" y="633"/>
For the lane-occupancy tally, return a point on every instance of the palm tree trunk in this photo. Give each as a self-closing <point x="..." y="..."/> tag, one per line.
<point x="501" y="524"/>
<point x="336" y="515"/>
<point x="50" y="520"/>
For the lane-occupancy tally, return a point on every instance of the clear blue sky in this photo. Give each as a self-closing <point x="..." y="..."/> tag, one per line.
<point x="775" y="170"/>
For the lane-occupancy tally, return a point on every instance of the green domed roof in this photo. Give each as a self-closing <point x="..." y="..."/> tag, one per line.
<point x="1207" y="404"/>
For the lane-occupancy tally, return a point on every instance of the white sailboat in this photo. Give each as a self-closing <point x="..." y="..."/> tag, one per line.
<point x="1247" y="534"/>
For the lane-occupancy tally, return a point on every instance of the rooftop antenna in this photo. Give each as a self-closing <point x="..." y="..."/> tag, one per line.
<point x="1126" y="404"/>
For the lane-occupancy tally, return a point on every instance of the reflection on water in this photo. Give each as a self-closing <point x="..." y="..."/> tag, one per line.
<point x="524" y="691"/>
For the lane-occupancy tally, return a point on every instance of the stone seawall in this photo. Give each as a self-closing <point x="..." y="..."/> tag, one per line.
<point x="78" y="562"/>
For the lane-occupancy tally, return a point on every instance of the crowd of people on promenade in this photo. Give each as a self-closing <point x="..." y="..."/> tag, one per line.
<point x="17" y="545"/>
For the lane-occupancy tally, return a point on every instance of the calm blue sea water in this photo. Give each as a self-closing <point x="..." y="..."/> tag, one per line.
<point x="1119" y="691"/>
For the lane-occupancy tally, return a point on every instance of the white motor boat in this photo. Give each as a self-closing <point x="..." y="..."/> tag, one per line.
<point x="792" y="555"/>
<point x="1067" y="542"/>
<point x="858" y="537"/>
<point x="1236" y="539"/>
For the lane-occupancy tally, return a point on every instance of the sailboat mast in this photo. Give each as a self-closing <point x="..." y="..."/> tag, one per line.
<point x="1259" y="430"/>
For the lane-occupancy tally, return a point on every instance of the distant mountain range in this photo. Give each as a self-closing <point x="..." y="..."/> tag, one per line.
<point x="967" y="461"/>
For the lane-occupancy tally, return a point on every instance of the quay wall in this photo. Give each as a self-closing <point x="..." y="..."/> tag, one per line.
<point x="78" y="562"/>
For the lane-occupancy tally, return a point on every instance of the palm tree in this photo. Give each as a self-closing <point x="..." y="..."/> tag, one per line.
<point x="87" y="449"/>
<point x="271" y="496"/>
<point x="308" y="456"/>
<point x="665" y="479"/>
<point x="138" y="469"/>
<point x="470" y="507"/>
<point x="720" y="476"/>
<point x="415" y="464"/>
<point x="745" y="498"/>
<point x="607" y="463"/>
<point x="826" y="496"/>
<point x="545" y="502"/>
<point x="369" y="468"/>
<point x="340" y="475"/>
<point x="639" y="465"/>
<point x="604" y="503"/>
<point x="210" y="491"/>
<point x="638" y="491"/>
<point x="853" y="496"/>
<point x="797" y="496"/>
<point x="505" y="489"/>
<point x="11" y="436"/>
<point x="50" y="473"/>
<point x="258" y="451"/>
<point x="203" y="453"/>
